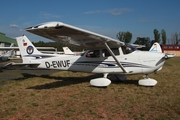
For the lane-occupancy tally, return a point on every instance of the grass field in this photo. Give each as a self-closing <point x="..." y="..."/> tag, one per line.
<point x="68" y="96"/>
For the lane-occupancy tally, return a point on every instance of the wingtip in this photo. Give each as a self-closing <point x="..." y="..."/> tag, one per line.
<point x="45" y="25"/>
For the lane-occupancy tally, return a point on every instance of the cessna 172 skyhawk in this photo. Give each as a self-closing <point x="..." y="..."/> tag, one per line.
<point x="105" y="55"/>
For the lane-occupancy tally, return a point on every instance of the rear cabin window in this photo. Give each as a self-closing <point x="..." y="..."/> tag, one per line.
<point x="106" y="53"/>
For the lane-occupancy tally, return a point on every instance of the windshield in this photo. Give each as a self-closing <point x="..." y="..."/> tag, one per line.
<point x="128" y="48"/>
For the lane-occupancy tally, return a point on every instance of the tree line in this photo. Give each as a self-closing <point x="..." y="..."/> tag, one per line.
<point x="159" y="37"/>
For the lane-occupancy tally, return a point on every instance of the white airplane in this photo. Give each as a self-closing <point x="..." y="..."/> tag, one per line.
<point x="6" y="52"/>
<point x="138" y="46"/>
<point x="67" y="51"/>
<point x="5" y="56"/>
<point x="105" y="55"/>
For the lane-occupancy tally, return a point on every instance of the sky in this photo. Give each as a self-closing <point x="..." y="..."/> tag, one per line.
<point x="106" y="17"/>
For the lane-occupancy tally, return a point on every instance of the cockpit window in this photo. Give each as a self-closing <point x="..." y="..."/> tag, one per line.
<point x="93" y="53"/>
<point x="128" y="48"/>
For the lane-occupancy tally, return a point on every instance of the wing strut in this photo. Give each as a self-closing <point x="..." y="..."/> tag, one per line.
<point x="112" y="54"/>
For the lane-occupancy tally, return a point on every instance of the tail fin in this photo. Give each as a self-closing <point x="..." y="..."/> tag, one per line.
<point x="27" y="49"/>
<point x="156" y="48"/>
<point x="67" y="51"/>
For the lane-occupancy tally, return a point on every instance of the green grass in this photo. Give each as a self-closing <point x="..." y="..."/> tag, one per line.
<point x="68" y="95"/>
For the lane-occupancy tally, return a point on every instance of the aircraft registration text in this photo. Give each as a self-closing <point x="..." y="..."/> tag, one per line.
<point x="58" y="64"/>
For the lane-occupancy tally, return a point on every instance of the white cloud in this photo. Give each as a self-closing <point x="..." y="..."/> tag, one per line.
<point x="119" y="11"/>
<point x="116" y="11"/>
<point x="93" y="12"/>
<point x="13" y="26"/>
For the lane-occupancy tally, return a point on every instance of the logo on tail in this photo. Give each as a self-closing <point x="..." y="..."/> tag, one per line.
<point x="29" y="50"/>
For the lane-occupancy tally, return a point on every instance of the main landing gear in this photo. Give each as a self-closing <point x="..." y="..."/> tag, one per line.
<point x="104" y="81"/>
<point x="101" y="82"/>
<point x="146" y="81"/>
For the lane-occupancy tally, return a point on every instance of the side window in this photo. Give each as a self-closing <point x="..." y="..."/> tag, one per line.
<point x="107" y="54"/>
<point x="93" y="53"/>
<point x="123" y="49"/>
<point x="115" y="51"/>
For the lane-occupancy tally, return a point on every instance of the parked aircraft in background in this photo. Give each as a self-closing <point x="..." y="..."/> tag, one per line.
<point x="5" y="54"/>
<point x="138" y="46"/>
<point x="15" y="52"/>
<point x="169" y="55"/>
<point x="105" y="55"/>
<point x="67" y="51"/>
<point x="157" y="48"/>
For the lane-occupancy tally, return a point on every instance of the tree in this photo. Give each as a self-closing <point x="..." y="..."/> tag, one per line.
<point x="124" y="36"/>
<point x="120" y="36"/>
<point x="143" y="41"/>
<point x="163" y="36"/>
<point x="176" y="38"/>
<point x="156" y="36"/>
<point x="128" y="37"/>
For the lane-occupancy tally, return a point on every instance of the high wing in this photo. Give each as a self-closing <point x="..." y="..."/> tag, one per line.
<point x="70" y="35"/>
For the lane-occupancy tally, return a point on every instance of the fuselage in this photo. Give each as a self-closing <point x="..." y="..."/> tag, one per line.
<point x="142" y="62"/>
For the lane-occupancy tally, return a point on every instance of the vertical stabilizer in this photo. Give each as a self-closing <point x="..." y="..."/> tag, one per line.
<point x="156" y="48"/>
<point x="27" y="49"/>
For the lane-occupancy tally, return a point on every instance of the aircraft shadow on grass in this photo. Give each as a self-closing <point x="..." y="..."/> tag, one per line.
<point x="66" y="81"/>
